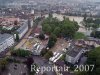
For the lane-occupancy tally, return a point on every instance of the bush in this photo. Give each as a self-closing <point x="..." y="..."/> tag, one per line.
<point x="3" y="64"/>
<point x="79" y="35"/>
<point x="20" y="53"/>
<point x="42" y="36"/>
<point x="48" y="55"/>
<point x="43" y="52"/>
<point x="52" y="40"/>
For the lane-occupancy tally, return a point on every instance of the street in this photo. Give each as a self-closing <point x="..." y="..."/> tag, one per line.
<point x="41" y="62"/>
<point x="24" y="39"/>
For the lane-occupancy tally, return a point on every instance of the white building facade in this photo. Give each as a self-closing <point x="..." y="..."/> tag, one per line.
<point x="23" y="29"/>
<point x="6" y="41"/>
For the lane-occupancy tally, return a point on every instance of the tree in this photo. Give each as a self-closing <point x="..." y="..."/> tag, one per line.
<point x="92" y="23"/>
<point x="94" y="58"/>
<point x="44" y="74"/>
<point x="29" y="62"/>
<point x="79" y="35"/>
<point x="52" y="40"/>
<point x="41" y="36"/>
<point x="57" y="31"/>
<point x="17" y="37"/>
<point x="20" y="53"/>
<point x="3" y="64"/>
<point x="81" y="73"/>
<point x="95" y="34"/>
<point x="85" y="17"/>
<point x="46" y="28"/>
<point x="43" y="52"/>
<point x="48" y="55"/>
<point x="64" y="28"/>
<point x="15" y="22"/>
<point x="50" y="15"/>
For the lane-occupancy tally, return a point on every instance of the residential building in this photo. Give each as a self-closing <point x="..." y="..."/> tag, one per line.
<point x="6" y="40"/>
<point x="23" y="29"/>
<point x="74" y="53"/>
<point x="9" y="22"/>
<point x="30" y="23"/>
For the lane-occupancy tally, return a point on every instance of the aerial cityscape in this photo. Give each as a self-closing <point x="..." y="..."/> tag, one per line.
<point x="49" y="37"/>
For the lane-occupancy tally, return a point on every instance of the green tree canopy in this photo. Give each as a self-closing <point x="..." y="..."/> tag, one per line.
<point x="94" y="58"/>
<point x="20" y="53"/>
<point x="48" y="54"/>
<point x="64" y="28"/>
<point x="52" y="40"/>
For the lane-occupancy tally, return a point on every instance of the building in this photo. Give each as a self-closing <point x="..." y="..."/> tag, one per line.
<point x="89" y="42"/>
<point x="37" y="48"/>
<point x="98" y="29"/>
<point x="6" y="40"/>
<point x="74" y="53"/>
<point x="30" y="22"/>
<point x="23" y="29"/>
<point x="9" y="22"/>
<point x="37" y="31"/>
<point x="56" y="57"/>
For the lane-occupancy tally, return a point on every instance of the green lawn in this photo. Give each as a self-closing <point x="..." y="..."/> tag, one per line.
<point x="79" y="35"/>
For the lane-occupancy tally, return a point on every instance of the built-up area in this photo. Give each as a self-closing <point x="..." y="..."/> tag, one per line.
<point x="22" y="31"/>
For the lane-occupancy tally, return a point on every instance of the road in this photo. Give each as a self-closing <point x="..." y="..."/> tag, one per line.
<point x="24" y="39"/>
<point x="19" y="45"/>
<point x="41" y="62"/>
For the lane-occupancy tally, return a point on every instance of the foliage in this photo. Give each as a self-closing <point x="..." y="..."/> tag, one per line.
<point x="48" y="54"/>
<point x="92" y="23"/>
<point x="3" y="64"/>
<point x="79" y="35"/>
<point x="34" y="72"/>
<point x="93" y="59"/>
<point x="29" y="62"/>
<point x="81" y="73"/>
<point x="17" y="37"/>
<point x="20" y="53"/>
<point x="43" y="52"/>
<point x="63" y="57"/>
<point x="65" y="28"/>
<point x="95" y="34"/>
<point x="42" y="36"/>
<point x="15" y="22"/>
<point x="52" y="40"/>
<point x="4" y="30"/>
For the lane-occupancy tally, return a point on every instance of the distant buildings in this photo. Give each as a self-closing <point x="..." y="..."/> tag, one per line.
<point x="9" y="22"/>
<point x="6" y="40"/>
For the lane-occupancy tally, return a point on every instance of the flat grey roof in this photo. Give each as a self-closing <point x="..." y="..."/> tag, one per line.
<point x="73" y="51"/>
<point x="3" y="37"/>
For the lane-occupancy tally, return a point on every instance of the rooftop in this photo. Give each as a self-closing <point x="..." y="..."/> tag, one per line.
<point x="23" y="26"/>
<point x="3" y="37"/>
<point x="74" y="50"/>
